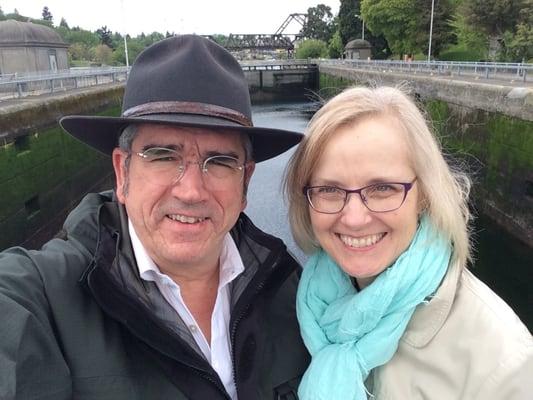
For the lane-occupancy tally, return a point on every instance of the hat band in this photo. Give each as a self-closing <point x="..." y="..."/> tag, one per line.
<point x="185" y="107"/>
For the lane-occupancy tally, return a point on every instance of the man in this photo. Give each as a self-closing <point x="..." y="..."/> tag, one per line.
<point x="163" y="289"/>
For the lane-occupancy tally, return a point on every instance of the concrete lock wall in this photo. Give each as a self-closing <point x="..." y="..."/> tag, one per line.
<point x="44" y="171"/>
<point x="487" y="128"/>
<point x="282" y="85"/>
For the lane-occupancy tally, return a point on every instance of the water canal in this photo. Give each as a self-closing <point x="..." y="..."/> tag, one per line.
<point x="46" y="173"/>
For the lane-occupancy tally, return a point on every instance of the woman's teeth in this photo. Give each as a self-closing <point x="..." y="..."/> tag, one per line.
<point x="361" y="241"/>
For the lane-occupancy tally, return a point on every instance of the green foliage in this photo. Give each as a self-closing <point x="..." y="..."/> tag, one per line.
<point x="47" y="15"/>
<point x="492" y="16"/>
<point x="220" y="39"/>
<point x="349" y="23"/>
<point x="405" y="23"/>
<point x="103" y="54"/>
<point x="312" y="48"/>
<point x="518" y="44"/>
<point x="335" y="47"/>
<point x="350" y="27"/>
<point x="63" y="23"/>
<point x="320" y="24"/>
<point x="104" y="35"/>
<point x="459" y="52"/>
<point x="17" y="17"/>
<point x="499" y="20"/>
<point x="78" y="35"/>
<point x="2" y="15"/>
<point x="468" y="39"/>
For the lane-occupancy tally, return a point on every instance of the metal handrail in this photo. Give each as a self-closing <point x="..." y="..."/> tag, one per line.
<point x="486" y="70"/>
<point x="26" y="77"/>
<point x="35" y="83"/>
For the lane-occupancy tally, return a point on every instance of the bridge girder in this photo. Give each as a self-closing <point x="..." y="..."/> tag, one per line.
<point x="258" y="42"/>
<point x="300" y="18"/>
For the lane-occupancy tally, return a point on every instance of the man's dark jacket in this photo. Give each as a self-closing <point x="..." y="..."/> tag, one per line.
<point x="77" y="322"/>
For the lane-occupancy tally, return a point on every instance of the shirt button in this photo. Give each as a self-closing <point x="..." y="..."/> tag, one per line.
<point x="193" y="328"/>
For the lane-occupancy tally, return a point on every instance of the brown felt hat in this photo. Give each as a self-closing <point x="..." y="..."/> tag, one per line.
<point x="183" y="81"/>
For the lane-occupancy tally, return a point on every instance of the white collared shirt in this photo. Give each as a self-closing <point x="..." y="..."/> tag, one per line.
<point x="219" y="352"/>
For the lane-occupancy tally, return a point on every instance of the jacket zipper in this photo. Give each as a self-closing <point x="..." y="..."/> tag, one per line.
<point x="237" y="320"/>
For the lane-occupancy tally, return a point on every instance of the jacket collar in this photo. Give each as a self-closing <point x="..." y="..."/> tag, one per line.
<point x="429" y="316"/>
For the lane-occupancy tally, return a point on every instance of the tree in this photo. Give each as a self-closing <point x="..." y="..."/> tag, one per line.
<point x="16" y="16"/>
<point x="47" y="15"/>
<point x="350" y="27"/>
<point x="134" y="48"/>
<point x="335" y="47"/>
<point x="79" y="51"/>
<point x="495" y="18"/>
<point x="2" y="16"/>
<point x="319" y="24"/>
<point x="103" y="54"/>
<point x="469" y="40"/>
<point x="63" y="23"/>
<point x="350" y="24"/>
<point x="518" y="45"/>
<point x="312" y="48"/>
<point x="105" y="36"/>
<point x="405" y="23"/>
<point x="82" y="36"/>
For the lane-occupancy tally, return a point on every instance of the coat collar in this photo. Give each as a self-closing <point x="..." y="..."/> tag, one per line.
<point x="429" y="316"/>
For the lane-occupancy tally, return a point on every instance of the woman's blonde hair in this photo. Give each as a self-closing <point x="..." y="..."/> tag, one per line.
<point x="443" y="190"/>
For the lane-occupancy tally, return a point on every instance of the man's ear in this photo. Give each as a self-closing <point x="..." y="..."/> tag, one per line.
<point x="121" y="173"/>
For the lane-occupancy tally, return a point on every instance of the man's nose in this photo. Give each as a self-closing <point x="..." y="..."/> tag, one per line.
<point x="190" y="186"/>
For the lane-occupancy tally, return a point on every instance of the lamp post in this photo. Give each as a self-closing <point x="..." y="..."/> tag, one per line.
<point x="125" y="35"/>
<point x="363" y="26"/>
<point x="431" y="29"/>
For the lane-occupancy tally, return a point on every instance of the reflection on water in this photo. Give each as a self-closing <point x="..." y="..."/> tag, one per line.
<point x="505" y="264"/>
<point x="43" y="175"/>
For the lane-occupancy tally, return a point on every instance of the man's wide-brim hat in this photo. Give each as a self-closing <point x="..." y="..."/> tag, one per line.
<point x="187" y="81"/>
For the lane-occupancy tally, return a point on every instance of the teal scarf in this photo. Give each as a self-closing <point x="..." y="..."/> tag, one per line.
<point x="348" y="333"/>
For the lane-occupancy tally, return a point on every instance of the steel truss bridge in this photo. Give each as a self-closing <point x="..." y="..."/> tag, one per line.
<point x="264" y="42"/>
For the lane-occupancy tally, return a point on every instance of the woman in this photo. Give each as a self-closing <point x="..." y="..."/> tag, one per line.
<point x="385" y="304"/>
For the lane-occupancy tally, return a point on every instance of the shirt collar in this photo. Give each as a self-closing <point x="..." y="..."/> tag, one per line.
<point x="230" y="261"/>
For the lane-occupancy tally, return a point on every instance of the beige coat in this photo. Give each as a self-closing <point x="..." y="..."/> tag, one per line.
<point x="466" y="343"/>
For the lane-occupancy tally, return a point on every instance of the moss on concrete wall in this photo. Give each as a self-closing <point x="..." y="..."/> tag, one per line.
<point x="331" y="85"/>
<point x="44" y="174"/>
<point x="499" y="150"/>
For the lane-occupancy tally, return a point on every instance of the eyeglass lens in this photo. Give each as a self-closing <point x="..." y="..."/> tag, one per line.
<point x="164" y="166"/>
<point x="380" y="197"/>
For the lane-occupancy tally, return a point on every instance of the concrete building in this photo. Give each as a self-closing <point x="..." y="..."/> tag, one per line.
<point x="27" y="47"/>
<point x="357" y="49"/>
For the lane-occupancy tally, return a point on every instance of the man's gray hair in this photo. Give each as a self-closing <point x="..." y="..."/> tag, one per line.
<point x="125" y="140"/>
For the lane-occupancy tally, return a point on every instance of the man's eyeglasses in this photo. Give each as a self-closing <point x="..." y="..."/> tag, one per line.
<point x="379" y="197"/>
<point x="165" y="166"/>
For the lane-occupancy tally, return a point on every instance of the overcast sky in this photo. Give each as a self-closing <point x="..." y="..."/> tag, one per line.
<point x="191" y="16"/>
